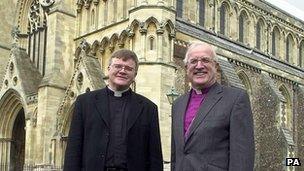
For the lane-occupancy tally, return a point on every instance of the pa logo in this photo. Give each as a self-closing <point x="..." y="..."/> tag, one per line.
<point x="293" y="162"/>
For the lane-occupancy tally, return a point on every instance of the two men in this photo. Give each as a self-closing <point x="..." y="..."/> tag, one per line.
<point x="212" y="125"/>
<point x="115" y="129"/>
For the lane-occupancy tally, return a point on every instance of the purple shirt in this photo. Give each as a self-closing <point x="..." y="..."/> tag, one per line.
<point x="195" y="101"/>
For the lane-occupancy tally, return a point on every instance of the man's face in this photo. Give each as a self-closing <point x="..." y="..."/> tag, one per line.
<point x="121" y="73"/>
<point x="201" y="67"/>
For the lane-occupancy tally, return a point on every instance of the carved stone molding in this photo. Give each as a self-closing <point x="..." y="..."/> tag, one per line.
<point x="285" y="80"/>
<point x="244" y="65"/>
<point x="46" y="3"/>
<point x="36" y="15"/>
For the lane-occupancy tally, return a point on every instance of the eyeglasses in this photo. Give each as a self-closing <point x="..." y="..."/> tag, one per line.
<point x="119" y="67"/>
<point x="204" y="60"/>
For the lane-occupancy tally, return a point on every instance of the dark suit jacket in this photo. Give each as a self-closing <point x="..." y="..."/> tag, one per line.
<point x="221" y="135"/>
<point x="89" y="134"/>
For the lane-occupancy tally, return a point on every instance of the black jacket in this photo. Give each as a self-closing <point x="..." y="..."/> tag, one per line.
<point x="89" y="134"/>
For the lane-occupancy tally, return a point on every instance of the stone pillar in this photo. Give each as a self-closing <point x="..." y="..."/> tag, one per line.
<point x="159" y="53"/>
<point x="29" y="143"/>
<point x="143" y="38"/>
<point x="171" y="50"/>
<point x="131" y="35"/>
<point x="5" y="146"/>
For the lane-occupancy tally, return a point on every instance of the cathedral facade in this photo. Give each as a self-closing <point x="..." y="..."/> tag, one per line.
<point x="53" y="50"/>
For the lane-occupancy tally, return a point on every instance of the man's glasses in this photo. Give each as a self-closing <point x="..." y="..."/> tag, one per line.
<point x="204" y="60"/>
<point x="119" y="67"/>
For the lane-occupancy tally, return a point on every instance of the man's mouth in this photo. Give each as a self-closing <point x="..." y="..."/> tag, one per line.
<point x="200" y="73"/>
<point x="122" y="77"/>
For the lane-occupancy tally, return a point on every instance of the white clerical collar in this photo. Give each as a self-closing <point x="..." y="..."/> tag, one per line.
<point x="197" y="91"/>
<point x="118" y="93"/>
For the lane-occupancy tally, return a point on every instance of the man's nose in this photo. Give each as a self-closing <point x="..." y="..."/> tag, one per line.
<point x="200" y="64"/>
<point x="123" y="70"/>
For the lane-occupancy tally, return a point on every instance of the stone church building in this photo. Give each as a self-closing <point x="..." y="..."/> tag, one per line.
<point x="53" y="50"/>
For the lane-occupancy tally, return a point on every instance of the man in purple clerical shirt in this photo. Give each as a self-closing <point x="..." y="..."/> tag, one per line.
<point x="212" y="125"/>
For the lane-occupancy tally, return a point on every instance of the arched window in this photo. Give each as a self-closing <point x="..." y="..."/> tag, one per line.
<point x="223" y="19"/>
<point x="37" y="36"/>
<point x="115" y="10"/>
<point x="125" y="10"/>
<point x="179" y="8"/>
<point x="301" y="54"/>
<point x="287" y="49"/>
<point x="92" y="18"/>
<point x="105" y="15"/>
<point x="275" y="41"/>
<point x="241" y="28"/>
<point x="258" y="36"/>
<point x="201" y="12"/>
<point x="260" y="39"/>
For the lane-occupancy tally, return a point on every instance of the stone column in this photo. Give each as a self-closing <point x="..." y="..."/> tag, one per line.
<point x="131" y="35"/>
<point x="29" y="142"/>
<point x="5" y="144"/>
<point x="143" y="38"/>
<point x="159" y="53"/>
<point x="171" y="50"/>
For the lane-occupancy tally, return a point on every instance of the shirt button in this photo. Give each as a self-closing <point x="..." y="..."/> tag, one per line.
<point x="102" y="155"/>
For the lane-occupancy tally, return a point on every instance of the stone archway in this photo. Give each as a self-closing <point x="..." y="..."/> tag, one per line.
<point x="17" y="150"/>
<point x="12" y="132"/>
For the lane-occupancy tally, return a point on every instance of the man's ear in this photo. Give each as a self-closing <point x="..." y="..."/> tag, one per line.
<point x="217" y="65"/>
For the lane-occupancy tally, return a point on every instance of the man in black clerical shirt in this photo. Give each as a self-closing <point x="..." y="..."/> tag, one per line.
<point x="115" y="129"/>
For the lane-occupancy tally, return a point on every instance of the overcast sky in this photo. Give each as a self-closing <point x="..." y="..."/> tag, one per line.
<point x="293" y="7"/>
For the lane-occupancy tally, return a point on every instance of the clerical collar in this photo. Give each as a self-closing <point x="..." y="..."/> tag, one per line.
<point x="118" y="93"/>
<point x="203" y="91"/>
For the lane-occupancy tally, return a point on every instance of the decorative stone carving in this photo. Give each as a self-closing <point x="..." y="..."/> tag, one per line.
<point x="85" y="46"/>
<point x="46" y="3"/>
<point x="15" y="34"/>
<point x="6" y="83"/>
<point x="15" y="80"/>
<point x="11" y="68"/>
<point x="87" y="3"/>
<point x="36" y="15"/>
<point x="80" y="79"/>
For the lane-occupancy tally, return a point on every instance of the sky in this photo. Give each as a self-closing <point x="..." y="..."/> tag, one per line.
<point x="293" y="7"/>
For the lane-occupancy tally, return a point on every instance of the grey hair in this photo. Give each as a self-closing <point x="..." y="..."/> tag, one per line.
<point x="199" y="43"/>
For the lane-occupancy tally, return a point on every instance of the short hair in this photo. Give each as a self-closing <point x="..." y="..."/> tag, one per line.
<point x="199" y="43"/>
<point x="125" y="54"/>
